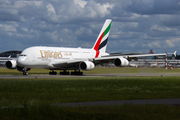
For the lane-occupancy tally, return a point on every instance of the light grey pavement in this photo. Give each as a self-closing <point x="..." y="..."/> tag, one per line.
<point x="172" y="101"/>
<point x="169" y="102"/>
<point x="87" y="75"/>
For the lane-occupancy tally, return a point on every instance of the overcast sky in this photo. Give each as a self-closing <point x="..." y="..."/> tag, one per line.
<point x="137" y="26"/>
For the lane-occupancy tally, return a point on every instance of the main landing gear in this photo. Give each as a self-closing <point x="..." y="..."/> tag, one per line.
<point x="52" y="73"/>
<point x="77" y="73"/>
<point x="66" y="73"/>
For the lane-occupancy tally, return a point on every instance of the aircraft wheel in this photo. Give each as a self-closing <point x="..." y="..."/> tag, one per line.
<point x="64" y="73"/>
<point x="52" y="73"/>
<point x="77" y="73"/>
<point x="25" y="73"/>
<point x="81" y="73"/>
<point x="55" y="73"/>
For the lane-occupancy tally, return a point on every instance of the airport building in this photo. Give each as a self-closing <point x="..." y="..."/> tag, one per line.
<point x="157" y="61"/>
<point x="11" y="53"/>
<point x="8" y="55"/>
<point x="153" y="61"/>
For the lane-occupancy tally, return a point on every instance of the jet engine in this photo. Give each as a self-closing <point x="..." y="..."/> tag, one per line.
<point x="11" y="64"/>
<point x="86" y="65"/>
<point x="121" y="62"/>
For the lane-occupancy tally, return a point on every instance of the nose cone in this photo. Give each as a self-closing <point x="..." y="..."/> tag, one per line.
<point x="21" y="61"/>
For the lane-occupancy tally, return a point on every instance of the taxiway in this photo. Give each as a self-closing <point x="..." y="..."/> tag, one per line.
<point x="88" y="75"/>
<point x="168" y="101"/>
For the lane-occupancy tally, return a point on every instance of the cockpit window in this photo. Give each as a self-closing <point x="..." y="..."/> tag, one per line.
<point x="22" y="55"/>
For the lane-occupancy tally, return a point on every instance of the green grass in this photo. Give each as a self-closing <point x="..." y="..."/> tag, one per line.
<point x="38" y="94"/>
<point x="124" y="112"/>
<point x="47" y="91"/>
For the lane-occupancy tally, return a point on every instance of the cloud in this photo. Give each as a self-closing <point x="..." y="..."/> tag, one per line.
<point x="163" y="29"/>
<point x="8" y="28"/>
<point x="82" y="3"/>
<point x="138" y="25"/>
<point x="154" y="7"/>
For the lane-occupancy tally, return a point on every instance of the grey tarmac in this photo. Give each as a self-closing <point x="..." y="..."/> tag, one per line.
<point x="169" y="101"/>
<point x="88" y="75"/>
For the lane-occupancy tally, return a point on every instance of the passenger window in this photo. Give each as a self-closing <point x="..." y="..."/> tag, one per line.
<point x="23" y="55"/>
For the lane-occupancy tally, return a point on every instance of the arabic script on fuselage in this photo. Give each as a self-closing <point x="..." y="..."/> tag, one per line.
<point x="67" y="54"/>
<point x="50" y="54"/>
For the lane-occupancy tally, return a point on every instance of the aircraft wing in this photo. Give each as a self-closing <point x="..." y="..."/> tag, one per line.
<point x="107" y="59"/>
<point x="123" y="59"/>
<point x="72" y="64"/>
<point x="5" y="59"/>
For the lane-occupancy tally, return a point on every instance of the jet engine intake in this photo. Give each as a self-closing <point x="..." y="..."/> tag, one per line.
<point x="86" y="65"/>
<point x="11" y="64"/>
<point x="121" y="62"/>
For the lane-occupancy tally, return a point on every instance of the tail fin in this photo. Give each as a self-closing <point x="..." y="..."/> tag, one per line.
<point x="101" y="42"/>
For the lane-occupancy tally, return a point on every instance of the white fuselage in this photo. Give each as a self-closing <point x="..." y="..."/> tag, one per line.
<point x="45" y="57"/>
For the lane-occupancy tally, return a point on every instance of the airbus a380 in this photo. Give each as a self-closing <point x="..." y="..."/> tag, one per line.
<point x="77" y="59"/>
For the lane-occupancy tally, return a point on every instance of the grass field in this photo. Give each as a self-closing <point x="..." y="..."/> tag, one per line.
<point x="38" y="94"/>
<point x="124" y="112"/>
<point x="47" y="91"/>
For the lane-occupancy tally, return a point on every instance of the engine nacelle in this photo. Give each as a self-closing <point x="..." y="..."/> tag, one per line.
<point x="86" y="65"/>
<point x="11" y="64"/>
<point x="121" y="62"/>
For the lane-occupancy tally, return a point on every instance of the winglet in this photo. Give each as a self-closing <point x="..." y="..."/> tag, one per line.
<point x="175" y="53"/>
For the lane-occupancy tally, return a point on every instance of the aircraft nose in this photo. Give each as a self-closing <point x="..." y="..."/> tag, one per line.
<point x="21" y="61"/>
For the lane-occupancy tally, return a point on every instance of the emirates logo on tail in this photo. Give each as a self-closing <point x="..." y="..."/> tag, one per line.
<point x="101" y="42"/>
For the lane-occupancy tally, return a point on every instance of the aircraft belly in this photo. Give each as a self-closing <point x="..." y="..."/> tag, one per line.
<point x="38" y="64"/>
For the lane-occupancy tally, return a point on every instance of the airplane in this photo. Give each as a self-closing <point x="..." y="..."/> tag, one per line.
<point x="3" y="60"/>
<point x="76" y="59"/>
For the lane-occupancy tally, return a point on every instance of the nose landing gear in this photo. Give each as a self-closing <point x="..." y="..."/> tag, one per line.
<point x="25" y="72"/>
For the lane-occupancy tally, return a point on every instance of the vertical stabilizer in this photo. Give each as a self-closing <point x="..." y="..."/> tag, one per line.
<point x="101" y="42"/>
